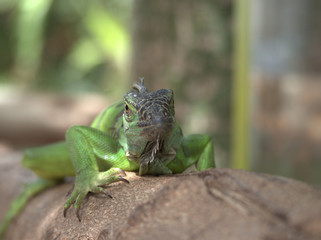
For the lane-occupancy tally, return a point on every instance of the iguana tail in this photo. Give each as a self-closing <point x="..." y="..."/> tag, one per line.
<point x="30" y="190"/>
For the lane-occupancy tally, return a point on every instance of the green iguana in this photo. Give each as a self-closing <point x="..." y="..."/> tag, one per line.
<point x="139" y="133"/>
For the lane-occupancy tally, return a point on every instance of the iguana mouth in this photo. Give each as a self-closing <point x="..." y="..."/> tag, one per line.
<point x="149" y="152"/>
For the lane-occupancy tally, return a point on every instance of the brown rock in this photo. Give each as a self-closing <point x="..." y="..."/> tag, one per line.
<point x="214" y="204"/>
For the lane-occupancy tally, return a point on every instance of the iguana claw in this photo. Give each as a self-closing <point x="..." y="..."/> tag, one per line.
<point x="120" y="178"/>
<point x="106" y="193"/>
<point x="65" y="211"/>
<point x="77" y="214"/>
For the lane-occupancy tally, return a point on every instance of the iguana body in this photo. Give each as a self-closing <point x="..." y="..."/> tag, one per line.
<point x="139" y="133"/>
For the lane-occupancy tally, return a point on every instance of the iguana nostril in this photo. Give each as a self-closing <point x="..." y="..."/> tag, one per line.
<point x="158" y="119"/>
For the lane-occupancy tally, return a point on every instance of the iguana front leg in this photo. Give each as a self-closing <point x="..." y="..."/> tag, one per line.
<point x="92" y="182"/>
<point x="90" y="149"/>
<point x="197" y="150"/>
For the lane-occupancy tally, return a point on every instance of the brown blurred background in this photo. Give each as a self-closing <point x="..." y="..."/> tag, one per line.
<point x="62" y="62"/>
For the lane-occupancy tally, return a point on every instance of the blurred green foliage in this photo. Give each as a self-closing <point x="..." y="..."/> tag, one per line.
<point x="66" y="45"/>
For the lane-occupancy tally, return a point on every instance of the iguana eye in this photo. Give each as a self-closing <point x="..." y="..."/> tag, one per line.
<point x="128" y="113"/>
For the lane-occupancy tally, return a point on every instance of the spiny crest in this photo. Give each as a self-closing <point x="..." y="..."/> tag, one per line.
<point x="140" y="88"/>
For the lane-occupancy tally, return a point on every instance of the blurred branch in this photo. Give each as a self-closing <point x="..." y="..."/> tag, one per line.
<point x="30" y="119"/>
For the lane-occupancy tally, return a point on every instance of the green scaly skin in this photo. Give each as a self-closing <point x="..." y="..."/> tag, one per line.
<point x="139" y="133"/>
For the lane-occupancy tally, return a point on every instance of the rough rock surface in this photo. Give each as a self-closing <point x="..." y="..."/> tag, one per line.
<point x="214" y="204"/>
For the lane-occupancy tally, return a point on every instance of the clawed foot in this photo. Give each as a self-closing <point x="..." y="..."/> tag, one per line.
<point x="92" y="182"/>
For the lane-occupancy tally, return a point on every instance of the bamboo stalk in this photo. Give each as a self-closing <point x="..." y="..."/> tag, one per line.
<point x="240" y="112"/>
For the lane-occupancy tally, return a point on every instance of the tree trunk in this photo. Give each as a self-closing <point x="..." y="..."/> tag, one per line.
<point x="220" y="203"/>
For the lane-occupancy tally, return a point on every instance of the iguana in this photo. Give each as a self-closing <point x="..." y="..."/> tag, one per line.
<point x="139" y="133"/>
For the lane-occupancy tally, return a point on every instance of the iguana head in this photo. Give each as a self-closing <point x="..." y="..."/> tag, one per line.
<point x="148" y="121"/>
